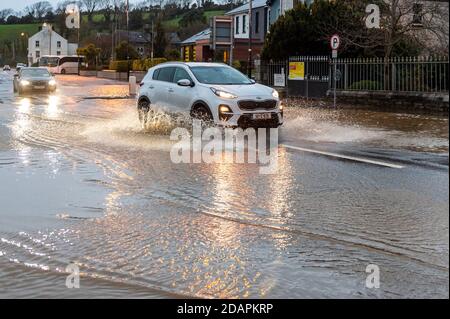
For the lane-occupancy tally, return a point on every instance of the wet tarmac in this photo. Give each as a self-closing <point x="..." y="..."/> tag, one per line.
<point x="82" y="182"/>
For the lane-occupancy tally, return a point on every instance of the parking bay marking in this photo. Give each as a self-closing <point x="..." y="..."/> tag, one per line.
<point x="350" y="158"/>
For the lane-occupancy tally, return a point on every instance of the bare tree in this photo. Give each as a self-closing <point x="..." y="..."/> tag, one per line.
<point x="4" y="14"/>
<point x="91" y="6"/>
<point x="39" y="9"/>
<point x="424" y="23"/>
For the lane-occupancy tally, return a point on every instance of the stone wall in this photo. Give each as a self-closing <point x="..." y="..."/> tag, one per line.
<point x="434" y="102"/>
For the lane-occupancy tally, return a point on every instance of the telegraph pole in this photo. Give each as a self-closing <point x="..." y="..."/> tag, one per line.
<point x="128" y="40"/>
<point x="249" y="67"/>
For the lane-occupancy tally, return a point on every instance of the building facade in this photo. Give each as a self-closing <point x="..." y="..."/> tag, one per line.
<point x="48" y="42"/>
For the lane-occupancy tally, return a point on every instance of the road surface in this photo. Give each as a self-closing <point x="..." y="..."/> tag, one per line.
<point x="83" y="183"/>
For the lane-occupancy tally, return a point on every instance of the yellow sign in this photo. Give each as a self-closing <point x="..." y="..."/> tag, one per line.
<point x="296" y="70"/>
<point x="186" y="54"/>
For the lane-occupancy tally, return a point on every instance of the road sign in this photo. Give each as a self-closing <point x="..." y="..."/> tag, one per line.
<point x="335" y="42"/>
<point x="334" y="54"/>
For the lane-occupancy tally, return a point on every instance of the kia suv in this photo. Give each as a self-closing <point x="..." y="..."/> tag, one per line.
<point x="211" y="92"/>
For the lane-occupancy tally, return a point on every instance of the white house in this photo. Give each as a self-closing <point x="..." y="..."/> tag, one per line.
<point x="48" y="42"/>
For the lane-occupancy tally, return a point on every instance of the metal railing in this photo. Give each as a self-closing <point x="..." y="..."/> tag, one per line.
<point x="398" y="74"/>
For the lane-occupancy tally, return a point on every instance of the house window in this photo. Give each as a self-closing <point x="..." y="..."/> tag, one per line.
<point x="417" y="14"/>
<point x="257" y="22"/>
<point x="38" y="54"/>
<point x="36" y="44"/>
<point x="58" y="52"/>
<point x="236" y="27"/>
<point x="58" y="44"/>
<point x="244" y="24"/>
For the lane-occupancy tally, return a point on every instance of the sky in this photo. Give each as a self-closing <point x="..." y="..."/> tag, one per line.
<point x="19" y="5"/>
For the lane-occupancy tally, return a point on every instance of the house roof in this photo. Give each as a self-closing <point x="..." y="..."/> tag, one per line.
<point x="202" y="35"/>
<point x="244" y="8"/>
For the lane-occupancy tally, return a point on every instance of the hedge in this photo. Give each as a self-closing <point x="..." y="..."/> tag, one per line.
<point x="366" y="85"/>
<point x="145" y="64"/>
<point x="119" y="65"/>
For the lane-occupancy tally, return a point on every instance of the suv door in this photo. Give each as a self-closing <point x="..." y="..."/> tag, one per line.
<point x="162" y="84"/>
<point x="181" y="96"/>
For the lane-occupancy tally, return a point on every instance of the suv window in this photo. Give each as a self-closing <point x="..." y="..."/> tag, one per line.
<point x="166" y="74"/>
<point x="155" y="74"/>
<point x="181" y="74"/>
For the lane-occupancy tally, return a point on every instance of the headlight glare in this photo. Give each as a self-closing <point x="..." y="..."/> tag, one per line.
<point x="24" y="82"/>
<point x="223" y="94"/>
<point x="275" y="94"/>
<point x="52" y="82"/>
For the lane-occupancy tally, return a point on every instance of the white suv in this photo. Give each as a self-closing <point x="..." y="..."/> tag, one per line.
<point x="212" y="92"/>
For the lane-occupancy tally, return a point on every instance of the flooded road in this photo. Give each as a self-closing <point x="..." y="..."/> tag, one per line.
<point x="81" y="182"/>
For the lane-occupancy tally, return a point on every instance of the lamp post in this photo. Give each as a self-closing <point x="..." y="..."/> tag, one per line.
<point x="128" y="41"/>
<point x="249" y="67"/>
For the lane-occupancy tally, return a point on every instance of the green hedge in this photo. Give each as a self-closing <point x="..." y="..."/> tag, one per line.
<point x="119" y="66"/>
<point x="366" y="85"/>
<point x="145" y="64"/>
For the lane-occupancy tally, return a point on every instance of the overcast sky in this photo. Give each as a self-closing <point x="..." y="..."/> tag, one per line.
<point x="19" y="5"/>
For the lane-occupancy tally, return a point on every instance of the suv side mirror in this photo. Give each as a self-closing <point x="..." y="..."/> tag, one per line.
<point x="252" y="81"/>
<point x="185" y="82"/>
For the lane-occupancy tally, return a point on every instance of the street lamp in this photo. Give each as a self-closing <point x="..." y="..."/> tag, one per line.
<point x="249" y="67"/>
<point x="128" y="41"/>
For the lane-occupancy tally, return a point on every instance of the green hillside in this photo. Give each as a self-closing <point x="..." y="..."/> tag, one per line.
<point x="12" y="31"/>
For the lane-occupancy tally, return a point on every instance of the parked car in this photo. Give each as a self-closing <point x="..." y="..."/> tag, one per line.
<point x="34" y="80"/>
<point x="212" y="92"/>
<point x="19" y="66"/>
<point x="7" y="68"/>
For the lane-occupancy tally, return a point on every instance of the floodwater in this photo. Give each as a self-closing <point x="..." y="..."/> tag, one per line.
<point x="82" y="183"/>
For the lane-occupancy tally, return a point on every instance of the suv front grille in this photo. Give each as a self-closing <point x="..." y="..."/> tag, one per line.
<point x="254" y="105"/>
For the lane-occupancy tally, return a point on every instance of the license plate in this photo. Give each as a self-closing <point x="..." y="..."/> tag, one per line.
<point x="262" y="116"/>
<point x="39" y="87"/>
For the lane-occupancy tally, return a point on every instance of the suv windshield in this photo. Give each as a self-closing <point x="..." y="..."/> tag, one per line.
<point x="219" y="75"/>
<point x="35" y="73"/>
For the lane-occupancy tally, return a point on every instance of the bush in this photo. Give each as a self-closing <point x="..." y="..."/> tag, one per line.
<point x="145" y="64"/>
<point x="119" y="66"/>
<point x="366" y="85"/>
<point x="237" y="64"/>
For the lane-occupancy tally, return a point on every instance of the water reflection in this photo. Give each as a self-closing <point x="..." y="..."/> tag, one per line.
<point x="51" y="109"/>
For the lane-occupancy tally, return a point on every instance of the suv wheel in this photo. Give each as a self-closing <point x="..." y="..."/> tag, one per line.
<point x="143" y="111"/>
<point x="203" y="114"/>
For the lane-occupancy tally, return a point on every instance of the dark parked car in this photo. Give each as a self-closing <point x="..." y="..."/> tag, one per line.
<point x="34" y="79"/>
<point x="19" y="66"/>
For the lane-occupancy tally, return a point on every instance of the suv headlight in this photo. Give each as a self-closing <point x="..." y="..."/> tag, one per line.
<point x="52" y="82"/>
<point x="223" y="94"/>
<point x="275" y="94"/>
<point x="24" y="82"/>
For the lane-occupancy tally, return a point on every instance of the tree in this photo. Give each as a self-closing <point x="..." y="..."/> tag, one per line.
<point x="404" y="24"/>
<point x="122" y="53"/>
<point x="160" y="39"/>
<point x="91" y="6"/>
<point x="4" y="14"/>
<point x="192" y="17"/>
<point x="136" y="19"/>
<point x="39" y="9"/>
<point x="294" y="33"/>
<point x="91" y="53"/>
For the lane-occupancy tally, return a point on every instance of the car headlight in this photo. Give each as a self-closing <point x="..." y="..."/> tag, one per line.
<point x="24" y="82"/>
<point x="223" y="94"/>
<point x="275" y="94"/>
<point x="52" y="82"/>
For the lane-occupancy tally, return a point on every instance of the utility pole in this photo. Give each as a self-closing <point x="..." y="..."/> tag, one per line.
<point x="249" y="67"/>
<point x="128" y="40"/>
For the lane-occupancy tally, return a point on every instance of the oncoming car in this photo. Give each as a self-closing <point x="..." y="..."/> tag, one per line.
<point x="34" y="80"/>
<point x="212" y="92"/>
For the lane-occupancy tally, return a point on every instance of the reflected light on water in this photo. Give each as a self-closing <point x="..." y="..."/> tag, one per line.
<point x="24" y="105"/>
<point x="52" y="106"/>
